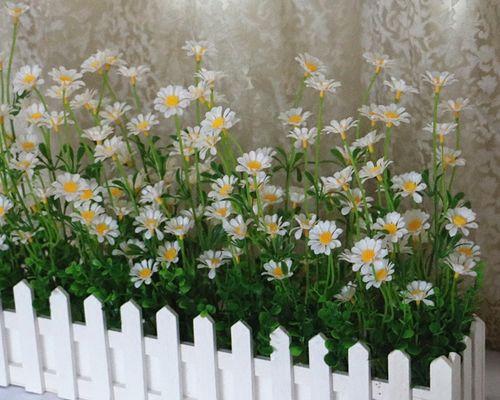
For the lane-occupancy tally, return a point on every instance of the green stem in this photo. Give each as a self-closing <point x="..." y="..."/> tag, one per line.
<point x="11" y="58"/>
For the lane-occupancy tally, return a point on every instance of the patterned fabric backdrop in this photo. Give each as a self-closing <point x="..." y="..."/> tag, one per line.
<point x="257" y="41"/>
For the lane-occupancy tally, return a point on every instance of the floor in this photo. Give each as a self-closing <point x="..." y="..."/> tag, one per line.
<point x="492" y="383"/>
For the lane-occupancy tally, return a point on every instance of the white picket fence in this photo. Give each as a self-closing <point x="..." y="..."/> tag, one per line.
<point x="87" y="361"/>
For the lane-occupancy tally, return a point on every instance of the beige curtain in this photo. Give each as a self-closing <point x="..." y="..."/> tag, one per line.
<point x="257" y="41"/>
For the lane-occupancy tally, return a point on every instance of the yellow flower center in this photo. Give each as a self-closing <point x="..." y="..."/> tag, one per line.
<point x="391" y="228"/>
<point x="414" y="225"/>
<point x="270" y="197"/>
<point x="70" y="187"/>
<point x="86" y="194"/>
<point x="172" y="101"/>
<point x="142" y="126"/>
<point x="36" y="115"/>
<point x="218" y="122"/>
<point x="272" y="227"/>
<point x="28" y="146"/>
<point x="391" y="114"/>
<point x="409" y="186"/>
<point x="325" y="237"/>
<point x="254" y="165"/>
<point x="29" y="79"/>
<point x="417" y="293"/>
<point x="278" y="272"/>
<point x="311" y="66"/>
<point x="145" y="273"/>
<point x="88" y="215"/>
<point x="66" y="79"/>
<point x="2" y="211"/>
<point x="367" y="255"/>
<point x="466" y="250"/>
<point x="375" y="170"/>
<point x="381" y="275"/>
<point x="116" y="192"/>
<point x="170" y="254"/>
<point x="295" y="119"/>
<point x="151" y="223"/>
<point x="215" y="261"/>
<point x="225" y="189"/>
<point x="101" y="228"/>
<point x="223" y="211"/>
<point x="459" y="221"/>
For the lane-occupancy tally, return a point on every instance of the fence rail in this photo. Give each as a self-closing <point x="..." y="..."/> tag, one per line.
<point x="89" y="362"/>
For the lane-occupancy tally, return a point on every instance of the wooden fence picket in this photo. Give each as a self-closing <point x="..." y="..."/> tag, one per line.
<point x="281" y="366"/>
<point x="467" y="385"/>
<point x="243" y="364"/>
<point x="98" y="349"/>
<point x="29" y="336"/>
<point x="399" y="387"/>
<point x="320" y="372"/>
<point x="4" y="357"/>
<point x="62" y="337"/>
<point x="478" y="345"/>
<point x="360" y="383"/>
<point x="441" y="379"/>
<point x="206" y="358"/>
<point x="169" y="354"/>
<point x="456" y="369"/>
<point x="133" y="348"/>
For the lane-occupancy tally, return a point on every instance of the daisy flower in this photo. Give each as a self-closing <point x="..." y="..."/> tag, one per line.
<point x="278" y="270"/>
<point x="365" y="253"/>
<point x="198" y="49"/>
<point x="347" y="293"/>
<point x="113" y="113"/>
<point x="456" y="106"/>
<point x="311" y="65"/>
<point x="399" y="87"/>
<point x="142" y="124"/>
<point x="24" y="162"/>
<point x="323" y="237"/>
<point x="341" y="127"/>
<point x="131" y="249"/>
<point x="105" y="228"/>
<point x="5" y="110"/>
<point x="222" y="187"/>
<point x="27" y="142"/>
<point x="409" y="184"/>
<point x="438" y="80"/>
<point x="95" y="63"/>
<point x="339" y="181"/>
<point x="368" y="141"/>
<point x="378" y="60"/>
<point x="135" y="74"/>
<point x="442" y="130"/>
<point x="219" y="210"/>
<point x="416" y="221"/>
<point x="370" y="112"/>
<point x="171" y="100"/>
<point x="179" y="226"/>
<point x="461" y="219"/>
<point x="55" y="119"/>
<point x="303" y="137"/>
<point x="200" y="92"/>
<point x="294" y="117"/>
<point x="207" y="144"/>
<point x="379" y="273"/>
<point x="121" y="211"/>
<point x="168" y="253"/>
<point x="216" y="120"/>
<point x="271" y="195"/>
<point x="305" y="224"/>
<point x="297" y="195"/>
<point x="86" y="100"/>
<point x="143" y="272"/>
<point x="253" y="162"/>
<point x="149" y="221"/>
<point x="451" y="158"/>
<point x="354" y="202"/>
<point x="209" y="77"/>
<point x="87" y="212"/>
<point x="67" y="78"/>
<point x="212" y="260"/>
<point x="321" y="84"/>
<point x="371" y="170"/>
<point x="34" y="114"/>
<point x="392" y="227"/>
<point x="152" y="194"/>
<point x="461" y="264"/>
<point x="68" y="186"/>
<point x="110" y="148"/>
<point x="98" y="133"/>
<point x="392" y="115"/>
<point x="5" y="206"/>
<point x="3" y="245"/>
<point x="236" y="228"/>
<point x="91" y="191"/>
<point x="27" y="78"/>
<point x="418" y="291"/>
<point x="273" y="225"/>
<point x="15" y="10"/>
<point x="468" y="249"/>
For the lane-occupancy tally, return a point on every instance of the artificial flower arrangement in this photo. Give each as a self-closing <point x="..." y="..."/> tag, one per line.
<point x="160" y="204"/>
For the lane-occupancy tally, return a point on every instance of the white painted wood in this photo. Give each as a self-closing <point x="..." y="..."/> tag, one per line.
<point x="399" y="387"/>
<point x="4" y="355"/>
<point x="320" y="373"/>
<point x="62" y="339"/>
<point x="206" y="358"/>
<point x="360" y="386"/>
<point x="441" y="379"/>
<point x="479" y="353"/>
<point x="98" y="348"/>
<point x="27" y="325"/>
<point x="243" y="366"/>
<point x="281" y="366"/>
<point x="467" y="386"/>
<point x="169" y="354"/>
<point x="456" y="366"/>
<point x="133" y="350"/>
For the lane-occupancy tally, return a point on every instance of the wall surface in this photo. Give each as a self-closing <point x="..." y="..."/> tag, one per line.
<point x="257" y="41"/>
